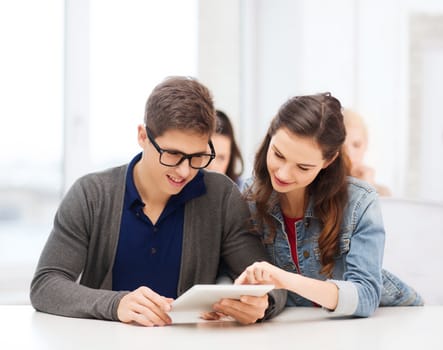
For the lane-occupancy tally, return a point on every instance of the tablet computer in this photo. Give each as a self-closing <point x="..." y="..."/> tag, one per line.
<point x="199" y="299"/>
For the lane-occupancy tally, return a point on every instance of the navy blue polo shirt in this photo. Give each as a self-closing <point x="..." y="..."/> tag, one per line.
<point x="150" y="255"/>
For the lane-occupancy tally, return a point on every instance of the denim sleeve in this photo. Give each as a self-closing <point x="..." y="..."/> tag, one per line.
<point x="360" y="290"/>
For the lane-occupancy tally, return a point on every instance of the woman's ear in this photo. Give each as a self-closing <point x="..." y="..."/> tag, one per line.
<point x="329" y="162"/>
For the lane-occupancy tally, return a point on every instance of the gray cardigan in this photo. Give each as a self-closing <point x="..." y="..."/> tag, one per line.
<point x="74" y="274"/>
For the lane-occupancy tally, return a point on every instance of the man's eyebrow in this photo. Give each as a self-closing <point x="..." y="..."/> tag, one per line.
<point x="173" y="150"/>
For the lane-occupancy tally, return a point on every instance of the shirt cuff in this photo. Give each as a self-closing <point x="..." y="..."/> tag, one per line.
<point x="347" y="298"/>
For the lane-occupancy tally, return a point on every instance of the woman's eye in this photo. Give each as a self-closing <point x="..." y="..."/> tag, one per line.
<point x="278" y="155"/>
<point x="303" y="168"/>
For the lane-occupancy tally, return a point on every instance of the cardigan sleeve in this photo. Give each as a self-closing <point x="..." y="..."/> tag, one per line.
<point x="54" y="287"/>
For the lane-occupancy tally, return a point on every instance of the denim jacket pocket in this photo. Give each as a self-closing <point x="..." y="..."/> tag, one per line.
<point x="344" y="245"/>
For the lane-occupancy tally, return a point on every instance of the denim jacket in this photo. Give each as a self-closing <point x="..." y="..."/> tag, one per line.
<point x="362" y="283"/>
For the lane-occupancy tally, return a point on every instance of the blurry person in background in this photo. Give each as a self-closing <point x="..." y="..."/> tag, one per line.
<point x="356" y="145"/>
<point x="229" y="160"/>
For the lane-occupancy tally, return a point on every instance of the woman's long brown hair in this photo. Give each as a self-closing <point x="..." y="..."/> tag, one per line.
<point x="319" y="117"/>
<point x="235" y="165"/>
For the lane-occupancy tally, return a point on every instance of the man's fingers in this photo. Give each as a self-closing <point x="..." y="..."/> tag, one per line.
<point x="151" y="312"/>
<point x="144" y="307"/>
<point x="246" y="311"/>
<point x="212" y="316"/>
<point x="161" y="302"/>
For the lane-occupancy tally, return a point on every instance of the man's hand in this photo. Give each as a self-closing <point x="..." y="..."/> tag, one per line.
<point x="247" y="310"/>
<point x="145" y="307"/>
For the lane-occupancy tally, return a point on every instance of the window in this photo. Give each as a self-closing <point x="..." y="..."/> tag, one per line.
<point x="134" y="45"/>
<point x="31" y="86"/>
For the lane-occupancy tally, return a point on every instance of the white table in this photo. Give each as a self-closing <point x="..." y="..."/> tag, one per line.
<point x="296" y="328"/>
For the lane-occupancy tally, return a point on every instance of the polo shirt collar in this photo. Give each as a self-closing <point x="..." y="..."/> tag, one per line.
<point x="193" y="189"/>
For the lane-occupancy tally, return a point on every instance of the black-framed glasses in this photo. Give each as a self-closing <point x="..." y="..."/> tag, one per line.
<point x="173" y="158"/>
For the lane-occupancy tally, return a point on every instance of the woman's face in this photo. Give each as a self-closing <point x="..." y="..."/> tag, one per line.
<point x="355" y="144"/>
<point x="222" y="146"/>
<point x="293" y="162"/>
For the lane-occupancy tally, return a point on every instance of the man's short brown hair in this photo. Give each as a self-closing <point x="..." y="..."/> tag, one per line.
<point x="180" y="103"/>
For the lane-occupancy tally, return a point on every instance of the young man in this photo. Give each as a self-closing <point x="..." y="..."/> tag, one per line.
<point x="128" y="240"/>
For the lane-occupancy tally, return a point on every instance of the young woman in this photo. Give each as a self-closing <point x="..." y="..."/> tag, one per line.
<point x="323" y="229"/>
<point x="229" y="160"/>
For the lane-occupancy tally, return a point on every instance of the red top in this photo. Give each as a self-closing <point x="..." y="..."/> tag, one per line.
<point x="292" y="237"/>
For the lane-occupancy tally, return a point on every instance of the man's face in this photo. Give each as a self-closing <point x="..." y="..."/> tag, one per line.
<point x="162" y="179"/>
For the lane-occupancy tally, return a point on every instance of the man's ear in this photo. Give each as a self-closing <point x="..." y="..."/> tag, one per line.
<point x="329" y="162"/>
<point x="141" y="135"/>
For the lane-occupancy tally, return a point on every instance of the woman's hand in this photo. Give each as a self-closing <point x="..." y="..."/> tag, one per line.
<point x="263" y="273"/>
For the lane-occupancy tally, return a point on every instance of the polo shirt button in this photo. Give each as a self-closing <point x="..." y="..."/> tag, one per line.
<point x="153" y="250"/>
<point x="306" y="254"/>
<point x="155" y="229"/>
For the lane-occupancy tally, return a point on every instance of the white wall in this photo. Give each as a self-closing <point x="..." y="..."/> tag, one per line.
<point x="219" y="54"/>
<point x="414" y="237"/>
<point x="359" y="50"/>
